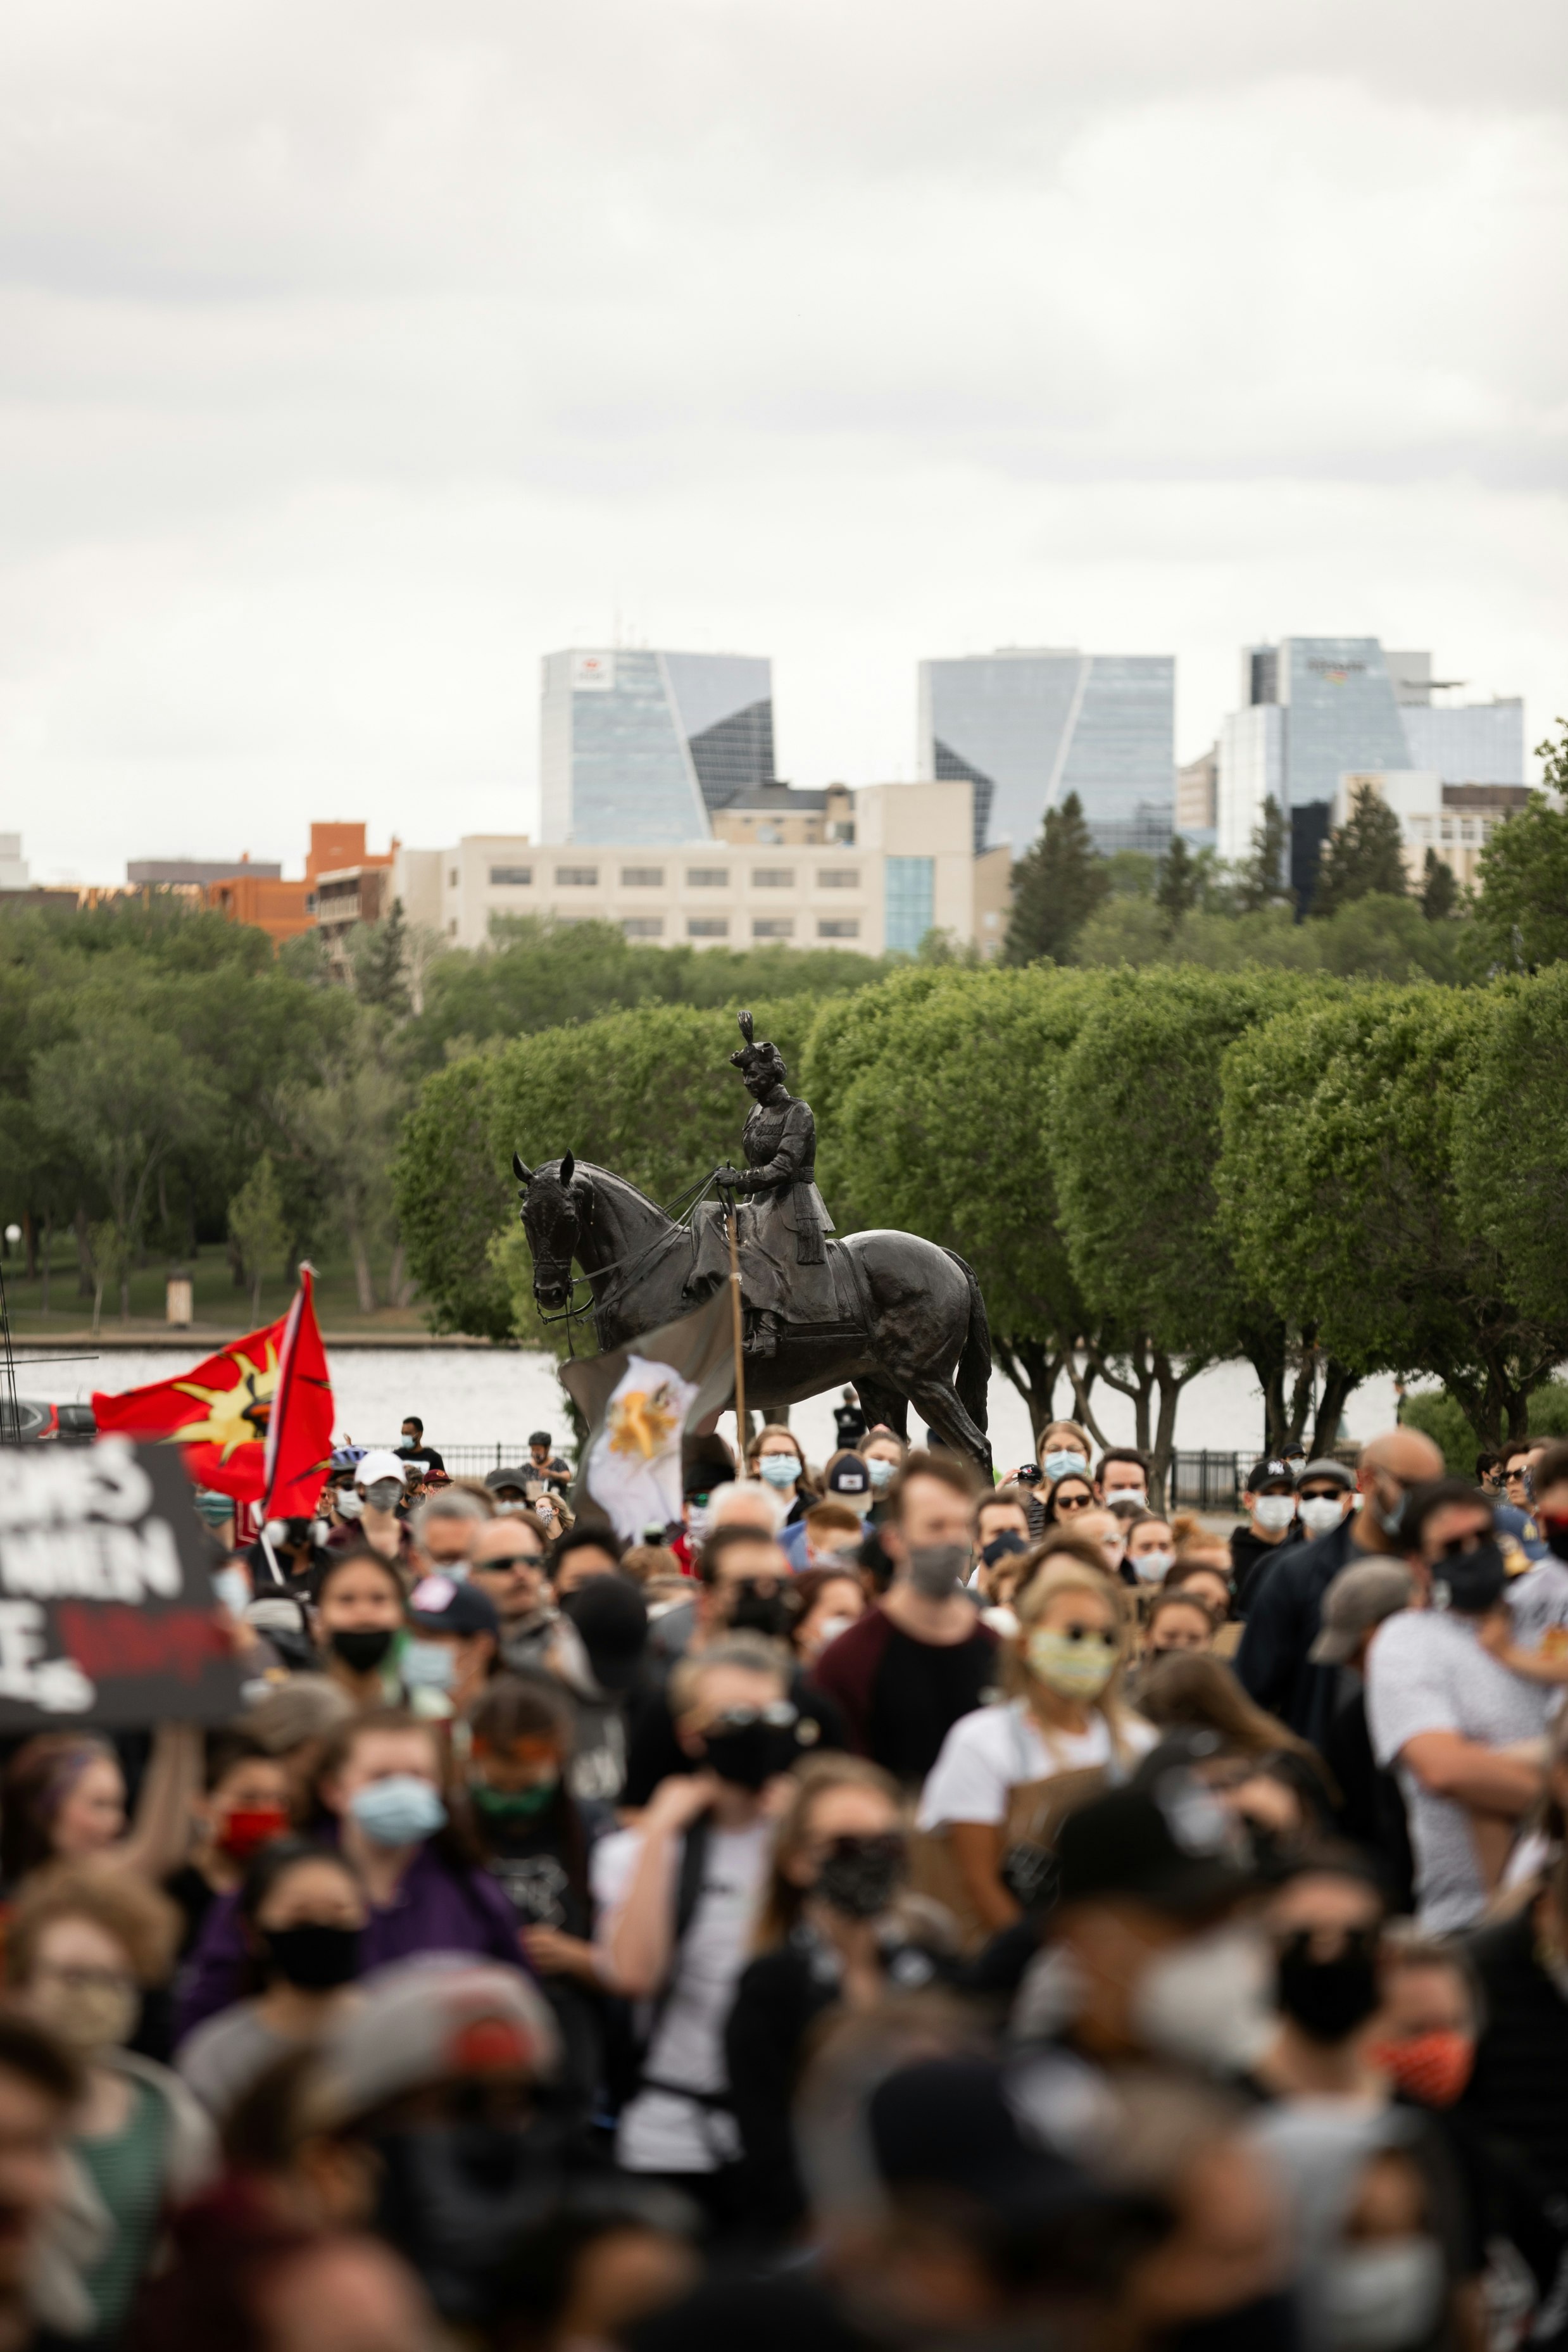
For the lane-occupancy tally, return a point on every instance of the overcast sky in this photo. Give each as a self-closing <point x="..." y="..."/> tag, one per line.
<point x="355" y="354"/>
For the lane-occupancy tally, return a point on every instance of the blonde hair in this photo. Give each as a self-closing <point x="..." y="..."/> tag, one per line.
<point x="1066" y="1570"/>
<point x="782" y="1900"/>
<point x="1075" y="1428"/>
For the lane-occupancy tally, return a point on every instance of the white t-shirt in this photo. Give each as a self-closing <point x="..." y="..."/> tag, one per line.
<point x="1538" y="1602"/>
<point x="1427" y="1671"/>
<point x="995" y="1750"/>
<point x="660" y="2132"/>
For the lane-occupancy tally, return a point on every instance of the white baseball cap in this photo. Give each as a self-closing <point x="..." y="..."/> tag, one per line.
<point x="378" y="1464"/>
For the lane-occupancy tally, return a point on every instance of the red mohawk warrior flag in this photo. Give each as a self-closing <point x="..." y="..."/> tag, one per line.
<point x="255" y="1421"/>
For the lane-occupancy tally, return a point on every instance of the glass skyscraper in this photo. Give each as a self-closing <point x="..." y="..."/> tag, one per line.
<point x="642" y="747"/>
<point x="1028" y="727"/>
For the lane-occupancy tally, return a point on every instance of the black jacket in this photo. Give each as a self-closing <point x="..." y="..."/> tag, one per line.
<point x="1516" y="2092"/>
<point x="1282" y="1623"/>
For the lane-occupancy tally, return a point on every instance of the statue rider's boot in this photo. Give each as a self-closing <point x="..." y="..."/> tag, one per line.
<point x="764" y="1338"/>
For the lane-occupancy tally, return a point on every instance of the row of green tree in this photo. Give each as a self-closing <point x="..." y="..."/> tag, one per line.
<point x="166" y="1081"/>
<point x="1150" y="1172"/>
<point x="1362" y="916"/>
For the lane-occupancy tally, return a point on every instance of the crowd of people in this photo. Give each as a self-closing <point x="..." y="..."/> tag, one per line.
<point x="881" y="1908"/>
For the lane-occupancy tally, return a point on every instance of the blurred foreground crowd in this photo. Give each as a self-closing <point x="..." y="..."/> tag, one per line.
<point x="879" y="1910"/>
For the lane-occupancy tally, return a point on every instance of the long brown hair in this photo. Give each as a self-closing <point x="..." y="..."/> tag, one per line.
<point x="1194" y="1691"/>
<point x="37" y="1783"/>
<point x="782" y="1900"/>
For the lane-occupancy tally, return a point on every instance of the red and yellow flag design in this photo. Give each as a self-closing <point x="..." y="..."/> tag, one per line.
<point x="255" y="1421"/>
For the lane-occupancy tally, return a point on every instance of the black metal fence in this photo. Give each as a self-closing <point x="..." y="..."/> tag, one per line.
<point x="1206" y="1482"/>
<point x="473" y="1461"/>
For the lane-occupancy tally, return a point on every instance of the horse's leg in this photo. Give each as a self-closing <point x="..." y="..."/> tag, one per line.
<point x="887" y="1405"/>
<point x="938" y="1400"/>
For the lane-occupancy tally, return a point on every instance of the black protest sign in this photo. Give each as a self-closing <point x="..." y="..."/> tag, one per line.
<point x="106" y="1612"/>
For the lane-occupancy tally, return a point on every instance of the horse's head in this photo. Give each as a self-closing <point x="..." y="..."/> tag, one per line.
<point x="556" y="1211"/>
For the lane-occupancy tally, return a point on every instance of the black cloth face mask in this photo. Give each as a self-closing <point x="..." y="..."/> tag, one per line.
<point x="761" y="1613"/>
<point x="1328" y="1998"/>
<point x="362" y="1648"/>
<point x="751" y="1753"/>
<point x="315" y="1957"/>
<point x="1472" y="1581"/>
<point x="861" y="1875"/>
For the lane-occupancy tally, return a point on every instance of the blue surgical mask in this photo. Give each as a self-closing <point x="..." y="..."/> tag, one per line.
<point x="1061" y="1466"/>
<point x="232" y="1586"/>
<point x="399" y="1810"/>
<point x="429" y="1665"/>
<point x="879" y="1470"/>
<point x="778" y="1469"/>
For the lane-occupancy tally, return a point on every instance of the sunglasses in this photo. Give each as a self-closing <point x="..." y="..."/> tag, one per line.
<point x="1074" y="1503"/>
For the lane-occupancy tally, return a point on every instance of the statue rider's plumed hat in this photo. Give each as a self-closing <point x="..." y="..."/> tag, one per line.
<point x="757" y="1059"/>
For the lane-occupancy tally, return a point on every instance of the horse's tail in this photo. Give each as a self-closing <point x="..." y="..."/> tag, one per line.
<point x="973" y="1378"/>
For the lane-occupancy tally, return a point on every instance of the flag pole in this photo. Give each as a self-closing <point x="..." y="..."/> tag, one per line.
<point x="730" y="1220"/>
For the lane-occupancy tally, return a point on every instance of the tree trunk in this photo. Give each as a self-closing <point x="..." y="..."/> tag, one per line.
<point x="237" y="1274"/>
<point x="364" y="1279"/>
<point x="30" y="1242"/>
<point x="1338" y="1385"/>
<point x="256" y="1297"/>
<point x="1033" y="1370"/>
<point x="400" y="1282"/>
<point x="47" y="1254"/>
<point x="87" y="1283"/>
<point x="97" y="1307"/>
<point x="1170" y="1384"/>
<point x="125" y="1287"/>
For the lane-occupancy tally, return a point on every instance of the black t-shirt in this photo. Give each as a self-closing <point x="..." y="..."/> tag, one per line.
<point x="920" y="1690"/>
<point x="409" y="1452"/>
<point x="1250" y="1555"/>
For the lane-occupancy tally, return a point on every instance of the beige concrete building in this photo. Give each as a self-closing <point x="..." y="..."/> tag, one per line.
<point x="1456" y="819"/>
<point x="1196" y="790"/>
<point x="897" y="863"/>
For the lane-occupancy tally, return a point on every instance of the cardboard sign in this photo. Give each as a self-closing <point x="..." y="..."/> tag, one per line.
<point x="107" y="1611"/>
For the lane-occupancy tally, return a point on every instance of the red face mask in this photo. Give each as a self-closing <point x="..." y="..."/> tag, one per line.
<point x="245" y="1833"/>
<point x="1432" y="2068"/>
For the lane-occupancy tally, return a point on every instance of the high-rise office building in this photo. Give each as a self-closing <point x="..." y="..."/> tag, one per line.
<point x="1316" y="710"/>
<point x="637" y="746"/>
<point x="1026" y="728"/>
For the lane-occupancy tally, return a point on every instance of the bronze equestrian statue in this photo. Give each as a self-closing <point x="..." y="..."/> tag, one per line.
<point x="900" y="1316"/>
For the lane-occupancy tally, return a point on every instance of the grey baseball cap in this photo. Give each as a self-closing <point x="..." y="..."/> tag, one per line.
<point x="1358" y="1599"/>
<point x="1325" y="1468"/>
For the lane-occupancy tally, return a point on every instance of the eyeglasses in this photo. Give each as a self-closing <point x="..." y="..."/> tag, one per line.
<point x="512" y="1560"/>
<point x="1075" y="1502"/>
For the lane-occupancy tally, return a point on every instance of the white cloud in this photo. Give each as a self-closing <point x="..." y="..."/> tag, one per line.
<point x="353" y="359"/>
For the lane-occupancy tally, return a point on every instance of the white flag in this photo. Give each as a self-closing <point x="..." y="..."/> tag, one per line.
<point x="634" y="1470"/>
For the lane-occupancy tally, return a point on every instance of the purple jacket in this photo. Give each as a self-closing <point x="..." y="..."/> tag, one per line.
<point x="436" y="1909"/>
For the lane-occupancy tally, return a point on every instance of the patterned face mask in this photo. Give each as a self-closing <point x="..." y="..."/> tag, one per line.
<point x="1075" y="1664"/>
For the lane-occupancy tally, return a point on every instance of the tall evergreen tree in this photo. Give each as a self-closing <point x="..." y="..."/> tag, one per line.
<point x="1361" y="856"/>
<point x="377" y="953"/>
<point x="1440" y="891"/>
<point x="1265" y="878"/>
<point x="1177" y="886"/>
<point x="1057" y="886"/>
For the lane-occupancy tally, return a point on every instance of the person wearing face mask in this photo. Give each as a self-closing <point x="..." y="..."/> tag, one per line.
<point x="1122" y="1479"/>
<point x="1284" y="1611"/>
<point x="828" y="1601"/>
<point x="1268" y="1499"/>
<point x="919" y="1658"/>
<point x="380" y="1803"/>
<point x="1151" y="1551"/>
<point x="290" y="1550"/>
<point x="1446" y="1715"/>
<point x="743" y="1586"/>
<point x="776" y="1458"/>
<point x="1178" y="1625"/>
<point x="883" y="1453"/>
<point x="988" y="1804"/>
<point x="836" y="1929"/>
<point x="676" y="1898"/>
<point x="1370" y="1811"/>
<point x="80" y="1946"/>
<point x="369" y="1511"/>
<point x="243" y="1807"/>
<point x="303" y="1914"/>
<point x="360" y="1625"/>
<point x="1063" y="1451"/>
<point x="451" y="1649"/>
<point x="538" y="1840"/>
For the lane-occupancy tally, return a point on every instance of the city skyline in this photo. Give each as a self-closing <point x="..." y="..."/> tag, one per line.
<point x="349" y="367"/>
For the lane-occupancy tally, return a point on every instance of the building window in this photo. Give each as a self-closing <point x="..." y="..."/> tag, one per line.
<point x="773" y="877"/>
<point x="707" y="878"/>
<point x="451" y="878"/>
<point x="911" y="901"/>
<point x="510" y="877"/>
<point x="838" y="878"/>
<point x="578" y="877"/>
<point x="707" y="927"/>
<point x="643" y="927"/>
<point x="838" y="927"/>
<point x="641" y="877"/>
<point x="773" y="927"/>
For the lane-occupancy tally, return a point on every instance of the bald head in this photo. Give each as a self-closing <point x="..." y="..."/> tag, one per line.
<point x="1408" y="1455"/>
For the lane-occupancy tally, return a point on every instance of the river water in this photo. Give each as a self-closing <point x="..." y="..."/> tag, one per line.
<point x="493" y="1397"/>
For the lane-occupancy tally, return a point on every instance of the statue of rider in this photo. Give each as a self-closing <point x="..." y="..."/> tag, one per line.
<point x="784" y="1270"/>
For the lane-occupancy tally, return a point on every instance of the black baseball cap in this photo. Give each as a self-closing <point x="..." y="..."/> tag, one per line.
<point x="1275" y="1472"/>
<point x="954" y="2124"/>
<point x="443" y="1604"/>
<point x="1167" y="1844"/>
<point x="849" y="1475"/>
<point x="497" y="1479"/>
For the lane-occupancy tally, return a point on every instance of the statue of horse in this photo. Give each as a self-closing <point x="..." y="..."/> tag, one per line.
<point x="917" y="1334"/>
